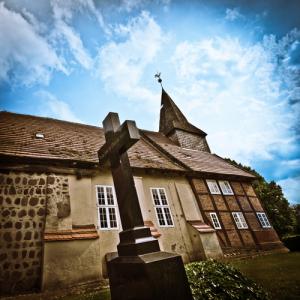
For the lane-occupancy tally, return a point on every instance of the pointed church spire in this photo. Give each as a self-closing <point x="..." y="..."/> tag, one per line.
<point x="175" y="125"/>
<point x="172" y="118"/>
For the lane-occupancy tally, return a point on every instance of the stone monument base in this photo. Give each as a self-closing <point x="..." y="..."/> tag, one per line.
<point x="153" y="276"/>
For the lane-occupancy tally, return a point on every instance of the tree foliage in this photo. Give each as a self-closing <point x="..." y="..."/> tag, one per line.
<point x="296" y="209"/>
<point x="281" y="215"/>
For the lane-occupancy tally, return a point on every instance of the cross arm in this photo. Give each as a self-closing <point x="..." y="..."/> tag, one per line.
<point x="118" y="138"/>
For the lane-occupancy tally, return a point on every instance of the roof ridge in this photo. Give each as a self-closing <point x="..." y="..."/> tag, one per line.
<point x="157" y="148"/>
<point x="230" y="163"/>
<point x="169" y="155"/>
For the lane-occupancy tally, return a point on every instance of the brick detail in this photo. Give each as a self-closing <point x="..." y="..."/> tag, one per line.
<point x="237" y="187"/>
<point x="232" y="203"/>
<point x="200" y="186"/>
<point x="256" y="203"/>
<point x="227" y="220"/>
<point x="234" y="238"/>
<point x="252" y="221"/>
<point x="244" y="203"/>
<point x="247" y="238"/>
<point x="84" y="233"/>
<point x="219" y="202"/>
<point x="248" y="189"/>
<point x="206" y="202"/>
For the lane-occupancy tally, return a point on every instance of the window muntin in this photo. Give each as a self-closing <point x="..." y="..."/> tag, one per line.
<point x="213" y="187"/>
<point x="162" y="208"/>
<point x="106" y="207"/>
<point x="263" y="220"/>
<point x="225" y="187"/>
<point x="239" y="220"/>
<point x="215" y="221"/>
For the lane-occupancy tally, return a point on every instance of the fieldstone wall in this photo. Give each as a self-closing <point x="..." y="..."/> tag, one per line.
<point x="58" y="204"/>
<point x="23" y="209"/>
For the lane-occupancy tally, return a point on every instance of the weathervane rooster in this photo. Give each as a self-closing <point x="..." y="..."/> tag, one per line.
<point x="157" y="75"/>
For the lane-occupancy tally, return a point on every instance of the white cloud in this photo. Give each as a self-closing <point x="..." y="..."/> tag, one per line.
<point x="25" y="57"/>
<point x="55" y="108"/>
<point x="291" y="189"/>
<point x="65" y="9"/>
<point x="130" y="5"/>
<point x="233" y="14"/>
<point x="236" y="92"/>
<point x="63" y="12"/>
<point x="75" y="44"/>
<point x="121" y="65"/>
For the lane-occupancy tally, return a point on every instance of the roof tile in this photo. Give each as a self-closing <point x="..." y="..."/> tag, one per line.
<point x="73" y="141"/>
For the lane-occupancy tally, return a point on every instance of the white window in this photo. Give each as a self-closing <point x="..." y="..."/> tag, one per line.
<point x="239" y="220"/>
<point x="162" y="208"/>
<point x="213" y="187"/>
<point x="263" y="220"/>
<point x="226" y="188"/>
<point x="106" y="207"/>
<point x="215" y="221"/>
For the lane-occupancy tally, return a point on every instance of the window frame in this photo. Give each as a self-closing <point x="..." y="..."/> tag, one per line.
<point x="217" y="219"/>
<point x="106" y="206"/>
<point x="162" y="206"/>
<point x="241" y="223"/>
<point x="208" y="181"/>
<point x="265" y="220"/>
<point x="225" y="191"/>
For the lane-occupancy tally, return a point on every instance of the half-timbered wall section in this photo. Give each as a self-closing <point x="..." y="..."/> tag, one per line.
<point x="234" y="210"/>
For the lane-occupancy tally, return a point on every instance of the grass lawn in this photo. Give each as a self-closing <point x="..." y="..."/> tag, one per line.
<point x="278" y="274"/>
<point x="102" y="295"/>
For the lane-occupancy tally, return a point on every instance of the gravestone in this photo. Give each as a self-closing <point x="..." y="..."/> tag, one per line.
<point x="139" y="270"/>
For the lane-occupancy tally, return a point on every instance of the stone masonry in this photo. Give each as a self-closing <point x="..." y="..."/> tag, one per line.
<point x="23" y="207"/>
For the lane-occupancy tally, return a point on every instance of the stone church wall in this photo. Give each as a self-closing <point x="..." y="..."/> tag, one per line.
<point x="24" y="200"/>
<point x="22" y="205"/>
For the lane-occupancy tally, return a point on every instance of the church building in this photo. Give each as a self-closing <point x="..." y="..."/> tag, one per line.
<point x="59" y="215"/>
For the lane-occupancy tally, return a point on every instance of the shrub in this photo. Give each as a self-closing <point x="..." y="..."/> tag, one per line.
<point x="215" y="280"/>
<point x="292" y="242"/>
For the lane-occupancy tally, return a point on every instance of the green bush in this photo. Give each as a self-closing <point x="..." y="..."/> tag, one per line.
<point x="215" y="280"/>
<point x="292" y="242"/>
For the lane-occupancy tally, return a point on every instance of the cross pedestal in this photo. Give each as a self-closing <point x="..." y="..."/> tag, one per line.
<point x="139" y="271"/>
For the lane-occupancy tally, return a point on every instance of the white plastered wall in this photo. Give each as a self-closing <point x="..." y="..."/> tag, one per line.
<point x="205" y="244"/>
<point x="180" y="238"/>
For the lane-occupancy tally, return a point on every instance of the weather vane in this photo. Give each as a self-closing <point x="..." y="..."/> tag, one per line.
<point x="157" y="75"/>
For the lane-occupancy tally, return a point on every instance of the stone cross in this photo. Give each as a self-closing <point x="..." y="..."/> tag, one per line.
<point x="139" y="271"/>
<point x="135" y="238"/>
<point x="118" y="140"/>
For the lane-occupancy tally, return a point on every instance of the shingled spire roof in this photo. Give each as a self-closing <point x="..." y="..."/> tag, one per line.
<point x="172" y="118"/>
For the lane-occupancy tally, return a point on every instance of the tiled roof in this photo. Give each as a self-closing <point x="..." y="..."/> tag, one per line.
<point x="195" y="160"/>
<point x="67" y="141"/>
<point x="78" y="142"/>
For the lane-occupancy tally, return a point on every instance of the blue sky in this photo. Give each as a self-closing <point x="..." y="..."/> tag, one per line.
<point x="233" y="67"/>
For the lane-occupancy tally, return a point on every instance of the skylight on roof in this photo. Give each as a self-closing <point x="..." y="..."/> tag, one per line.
<point x="39" y="135"/>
